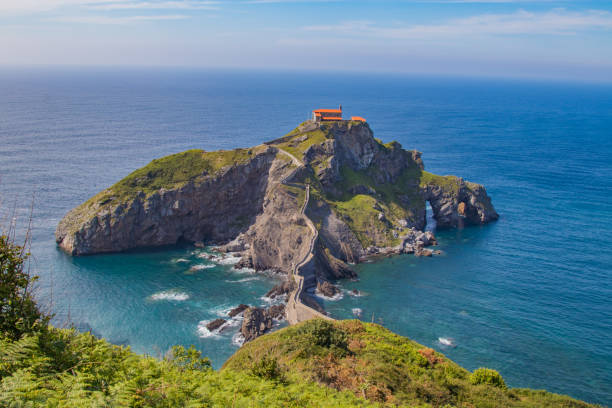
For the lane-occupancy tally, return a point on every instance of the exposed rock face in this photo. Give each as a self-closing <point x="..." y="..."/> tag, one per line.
<point x="467" y="204"/>
<point x="256" y="322"/>
<point x="276" y="312"/>
<point x="213" y="208"/>
<point x="215" y="324"/>
<point x="327" y="289"/>
<point x="237" y="310"/>
<point x="283" y="288"/>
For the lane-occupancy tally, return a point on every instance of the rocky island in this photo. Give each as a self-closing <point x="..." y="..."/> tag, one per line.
<point x="307" y="205"/>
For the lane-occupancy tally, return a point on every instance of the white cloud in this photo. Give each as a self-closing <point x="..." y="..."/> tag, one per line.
<point x="156" y="5"/>
<point x="41" y="6"/>
<point x="116" y="20"/>
<point x="555" y="22"/>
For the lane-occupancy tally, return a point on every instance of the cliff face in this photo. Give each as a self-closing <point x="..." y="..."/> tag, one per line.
<point x="216" y="205"/>
<point x="366" y="197"/>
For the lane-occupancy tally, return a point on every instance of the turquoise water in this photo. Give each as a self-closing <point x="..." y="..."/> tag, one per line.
<point x="528" y="295"/>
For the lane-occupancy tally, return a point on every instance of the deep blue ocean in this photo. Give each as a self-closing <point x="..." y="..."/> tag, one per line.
<point x="530" y="295"/>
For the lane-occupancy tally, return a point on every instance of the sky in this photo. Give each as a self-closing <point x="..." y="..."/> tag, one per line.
<point x="507" y="38"/>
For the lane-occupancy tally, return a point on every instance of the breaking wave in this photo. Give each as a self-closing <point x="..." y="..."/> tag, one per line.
<point x="203" y="331"/>
<point x="446" y="341"/>
<point x="169" y="295"/>
<point x="200" y="267"/>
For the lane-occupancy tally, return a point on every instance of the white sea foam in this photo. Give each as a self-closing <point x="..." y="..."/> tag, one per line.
<point x="358" y="294"/>
<point x="446" y="341"/>
<point x="170" y="295"/>
<point x="357" y="312"/>
<point x="252" y="278"/>
<point x="238" y="339"/>
<point x="274" y="301"/>
<point x="250" y="271"/>
<point x="180" y="260"/>
<point x="200" y="267"/>
<point x="203" y="331"/>
<point x="227" y="260"/>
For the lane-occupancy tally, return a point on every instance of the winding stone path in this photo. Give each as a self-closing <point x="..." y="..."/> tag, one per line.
<point x="296" y="311"/>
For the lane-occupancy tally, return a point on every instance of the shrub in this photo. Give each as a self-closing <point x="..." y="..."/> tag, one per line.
<point x="189" y="359"/>
<point x="487" y="376"/>
<point x="325" y="334"/>
<point x="267" y="368"/>
<point x="19" y="313"/>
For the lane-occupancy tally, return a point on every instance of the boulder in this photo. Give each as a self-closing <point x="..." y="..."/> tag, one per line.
<point x="215" y="324"/>
<point x="237" y="310"/>
<point x="327" y="289"/>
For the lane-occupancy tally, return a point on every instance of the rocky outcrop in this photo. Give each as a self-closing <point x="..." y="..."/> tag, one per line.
<point x="282" y="289"/>
<point x="327" y="289"/>
<point x="237" y="310"/>
<point x="461" y="203"/>
<point x="256" y="322"/>
<point x="215" y="324"/>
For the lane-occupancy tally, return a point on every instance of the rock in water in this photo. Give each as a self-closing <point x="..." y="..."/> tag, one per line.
<point x="215" y="324"/>
<point x="256" y="322"/>
<point x="327" y="289"/>
<point x="281" y="289"/>
<point x="237" y="310"/>
<point x="276" y="312"/>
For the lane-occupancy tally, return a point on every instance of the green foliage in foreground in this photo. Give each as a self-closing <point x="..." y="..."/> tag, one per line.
<point x="391" y="370"/>
<point x="61" y="368"/>
<point x="18" y="311"/>
<point x="487" y="376"/>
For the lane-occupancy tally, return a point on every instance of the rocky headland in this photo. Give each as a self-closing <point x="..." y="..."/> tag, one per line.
<point x="308" y="204"/>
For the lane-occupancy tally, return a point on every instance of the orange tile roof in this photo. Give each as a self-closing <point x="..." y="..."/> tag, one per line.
<point x="327" y="110"/>
<point x="332" y="118"/>
<point x="359" y="118"/>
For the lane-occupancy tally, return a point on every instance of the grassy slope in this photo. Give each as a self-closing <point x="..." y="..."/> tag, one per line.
<point x="314" y="364"/>
<point x="61" y="368"/>
<point x="375" y="363"/>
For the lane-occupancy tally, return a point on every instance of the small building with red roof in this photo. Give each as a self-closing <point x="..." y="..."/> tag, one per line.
<point x="328" y="115"/>
<point x="320" y="115"/>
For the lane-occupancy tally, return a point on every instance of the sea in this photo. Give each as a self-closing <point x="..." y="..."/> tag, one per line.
<point x="529" y="295"/>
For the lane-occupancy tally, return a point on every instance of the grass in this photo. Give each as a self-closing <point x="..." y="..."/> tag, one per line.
<point x="299" y="142"/>
<point x="374" y="363"/>
<point x="449" y="183"/>
<point x="61" y="368"/>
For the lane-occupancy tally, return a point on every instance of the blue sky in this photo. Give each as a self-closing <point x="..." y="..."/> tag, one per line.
<point x="538" y="38"/>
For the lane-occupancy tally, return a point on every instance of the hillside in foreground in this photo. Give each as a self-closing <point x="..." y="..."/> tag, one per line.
<point x="316" y="363"/>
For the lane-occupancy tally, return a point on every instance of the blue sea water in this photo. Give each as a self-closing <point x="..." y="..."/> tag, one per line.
<point x="529" y="295"/>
